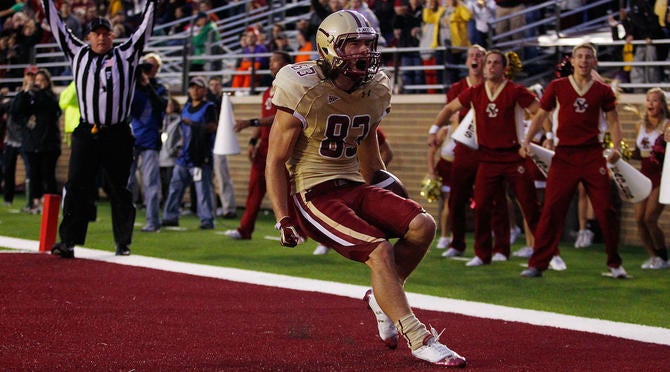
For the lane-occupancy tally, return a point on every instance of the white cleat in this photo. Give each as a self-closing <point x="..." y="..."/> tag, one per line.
<point x="387" y="330"/>
<point x="434" y="352"/>
<point x="320" y="250"/>
<point x="557" y="264"/>
<point x="234" y="234"/>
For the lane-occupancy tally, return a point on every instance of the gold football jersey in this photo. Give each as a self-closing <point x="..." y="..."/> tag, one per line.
<point x="334" y="122"/>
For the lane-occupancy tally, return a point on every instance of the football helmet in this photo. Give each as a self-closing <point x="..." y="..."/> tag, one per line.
<point x="334" y="32"/>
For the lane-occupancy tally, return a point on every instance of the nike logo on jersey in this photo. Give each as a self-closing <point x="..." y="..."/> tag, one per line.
<point x="332" y="99"/>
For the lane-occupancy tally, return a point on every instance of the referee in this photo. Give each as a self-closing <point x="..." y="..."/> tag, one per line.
<point x="105" y="81"/>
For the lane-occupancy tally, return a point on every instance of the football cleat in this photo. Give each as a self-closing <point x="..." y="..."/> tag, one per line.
<point x="435" y="352"/>
<point x="387" y="330"/>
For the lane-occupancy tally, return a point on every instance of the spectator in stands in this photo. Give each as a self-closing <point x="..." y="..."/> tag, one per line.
<point x="305" y="50"/>
<point x="147" y="110"/>
<point x="618" y="32"/>
<point x="203" y="42"/>
<point x="320" y="10"/>
<point x="275" y="30"/>
<point x="510" y="7"/>
<point x="248" y="65"/>
<point x="194" y="163"/>
<point x="483" y="12"/>
<point x="280" y="43"/>
<point x="386" y="14"/>
<point x="224" y="181"/>
<point x="362" y="7"/>
<point x="70" y="19"/>
<point x="205" y="6"/>
<point x="16" y="7"/>
<point x="431" y="38"/>
<point x="455" y="21"/>
<point x="642" y="23"/>
<point x="407" y="30"/>
<point x="37" y="104"/>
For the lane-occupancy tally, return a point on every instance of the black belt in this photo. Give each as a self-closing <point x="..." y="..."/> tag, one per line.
<point x="328" y="186"/>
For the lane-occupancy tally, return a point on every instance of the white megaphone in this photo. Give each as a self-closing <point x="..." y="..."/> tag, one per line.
<point x="225" y="142"/>
<point x="466" y="133"/>
<point x="632" y="184"/>
<point x="541" y="157"/>
<point x="664" y="191"/>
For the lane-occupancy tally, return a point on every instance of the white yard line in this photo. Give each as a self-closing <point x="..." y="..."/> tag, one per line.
<point x="630" y="331"/>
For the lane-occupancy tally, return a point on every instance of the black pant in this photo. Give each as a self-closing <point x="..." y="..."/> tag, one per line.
<point x="43" y="172"/>
<point x="111" y="149"/>
<point x="10" y="155"/>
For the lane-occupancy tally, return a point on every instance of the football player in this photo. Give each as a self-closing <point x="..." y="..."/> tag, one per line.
<point x="324" y="133"/>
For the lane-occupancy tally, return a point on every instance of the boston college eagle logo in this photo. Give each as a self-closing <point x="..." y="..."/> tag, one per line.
<point x="492" y="110"/>
<point x="580" y="105"/>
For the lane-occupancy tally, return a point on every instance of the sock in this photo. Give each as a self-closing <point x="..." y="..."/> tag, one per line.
<point x="413" y="330"/>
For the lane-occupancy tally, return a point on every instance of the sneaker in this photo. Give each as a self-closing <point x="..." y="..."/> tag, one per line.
<point x="122" y="250"/>
<point x="531" y="272"/>
<point x="320" y="250"/>
<point x="63" y="250"/>
<point x="647" y="264"/>
<point x="233" y="234"/>
<point x="658" y="263"/>
<point x="387" y="330"/>
<point x="557" y="264"/>
<point x="452" y="252"/>
<point x="476" y="261"/>
<point x="206" y="226"/>
<point x="618" y="272"/>
<point x="588" y="238"/>
<point x="434" y="352"/>
<point x="514" y="234"/>
<point x="499" y="257"/>
<point x="579" y="242"/>
<point x="524" y="252"/>
<point x="149" y="228"/>
<point x="230" y="215"/>
<point x="443" y="242"/>
<point x="170" y="223"/>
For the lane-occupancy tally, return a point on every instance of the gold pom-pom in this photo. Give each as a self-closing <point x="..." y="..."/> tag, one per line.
<point x="431" y="188"/>
<point x="514" y="65"/>
<point x="625" y="150"/>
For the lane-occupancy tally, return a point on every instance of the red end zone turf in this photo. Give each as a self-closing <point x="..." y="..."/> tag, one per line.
<point x="80" y="314"/>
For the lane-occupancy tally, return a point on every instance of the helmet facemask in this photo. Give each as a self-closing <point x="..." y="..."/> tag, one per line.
<point x="359" y="67"/>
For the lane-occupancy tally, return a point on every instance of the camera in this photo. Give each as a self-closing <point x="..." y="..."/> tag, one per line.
<point x="146" y="67"/>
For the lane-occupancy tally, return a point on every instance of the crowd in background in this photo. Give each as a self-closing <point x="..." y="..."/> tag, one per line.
<point x="455" y="24"/>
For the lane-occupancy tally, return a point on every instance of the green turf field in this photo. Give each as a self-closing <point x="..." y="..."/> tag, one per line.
<point x="581" y="290"/>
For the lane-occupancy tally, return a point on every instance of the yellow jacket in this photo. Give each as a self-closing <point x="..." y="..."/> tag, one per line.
<point x="457" y="22"/>
<point x="70" y="106"/>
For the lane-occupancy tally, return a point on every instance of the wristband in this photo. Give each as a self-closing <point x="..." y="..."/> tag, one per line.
<point x="253" y="141"/>
<point x="254" y="123"/>
<point x="549" y="135"/>
<point x="433" y="129"/>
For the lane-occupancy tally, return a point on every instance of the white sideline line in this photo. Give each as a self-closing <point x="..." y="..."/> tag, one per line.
<point x="656" y="335"/>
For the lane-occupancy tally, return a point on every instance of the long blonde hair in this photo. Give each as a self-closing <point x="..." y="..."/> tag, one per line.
<point x="664" y="108"/>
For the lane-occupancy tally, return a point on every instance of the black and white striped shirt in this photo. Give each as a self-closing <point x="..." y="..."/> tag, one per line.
<point x="105" y="83"/>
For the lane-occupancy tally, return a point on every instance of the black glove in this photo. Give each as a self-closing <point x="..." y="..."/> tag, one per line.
<point x="290" y="232"/>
